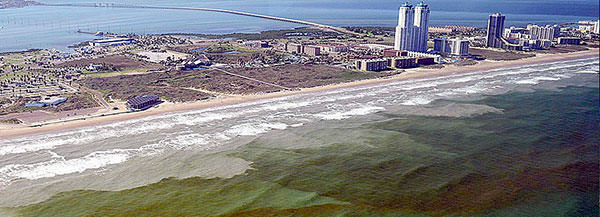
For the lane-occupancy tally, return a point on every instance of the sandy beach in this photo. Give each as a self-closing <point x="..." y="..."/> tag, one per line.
<point x="7" y="131"/>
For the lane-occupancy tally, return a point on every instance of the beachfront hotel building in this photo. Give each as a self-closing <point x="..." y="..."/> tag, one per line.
<point x="495" y="29"/>
<point x="541" y="32"/>
<point x="459" y="47"/>
<point x="454" y="46"/>
<point x="411" y="32"/>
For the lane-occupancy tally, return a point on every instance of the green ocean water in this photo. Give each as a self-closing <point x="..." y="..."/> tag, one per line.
<point x="538" y="157"/>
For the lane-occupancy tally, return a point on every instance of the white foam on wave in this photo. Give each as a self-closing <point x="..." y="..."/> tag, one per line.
<point x="49" y="142"/>
<point x="537" y="80"/>
<point x="419" y="100"/>
<point x="339" y="115"/>
<point x="188" y="140"/>
<point x="588" y="72"/>
<point x="59" y="165"/>
<point x="252" y="129"/>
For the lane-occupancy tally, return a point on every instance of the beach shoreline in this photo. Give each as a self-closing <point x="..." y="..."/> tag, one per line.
<point x="417" y="73"/>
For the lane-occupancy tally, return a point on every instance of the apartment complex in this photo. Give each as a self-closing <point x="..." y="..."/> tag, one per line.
<point x="310" y="50"/>
<point x="372" y="65"/>
<point x="543" y="32"/>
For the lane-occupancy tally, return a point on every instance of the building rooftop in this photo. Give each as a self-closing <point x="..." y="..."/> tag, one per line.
<point x="406" y="4"/>
<point x="142" y="99"/>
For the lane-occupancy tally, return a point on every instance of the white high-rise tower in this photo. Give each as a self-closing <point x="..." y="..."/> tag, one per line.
<point x="421" y="27"/>
<point x="405" y="28"/>
<point x="411" y="32"/>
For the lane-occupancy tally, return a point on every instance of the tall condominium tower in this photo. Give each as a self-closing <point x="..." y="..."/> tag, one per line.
<point x="421" y="21"/>
<point x="411" y="32"/>
<point x="495" y="29"/>
<point x="405" y="29"/>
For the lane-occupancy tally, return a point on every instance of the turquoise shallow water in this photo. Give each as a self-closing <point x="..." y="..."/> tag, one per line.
<point x="537" y="156"/>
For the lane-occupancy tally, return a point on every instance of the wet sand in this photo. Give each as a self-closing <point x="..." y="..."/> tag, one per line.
<point x="9" y="132"/>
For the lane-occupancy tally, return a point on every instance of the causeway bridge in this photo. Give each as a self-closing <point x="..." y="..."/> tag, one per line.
<point x="283" y="19"/>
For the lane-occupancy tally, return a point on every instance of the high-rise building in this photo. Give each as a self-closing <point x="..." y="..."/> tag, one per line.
<point x="455" y="46"/>
<point x="404" y="30"/>
<point x="441" y="45"/>
<point x="421" y="26"/>
<point x="411" y="32"/>
<point x="495" y="29"/>
<point x="541" y="32"/>
<point x="459" y="47"/>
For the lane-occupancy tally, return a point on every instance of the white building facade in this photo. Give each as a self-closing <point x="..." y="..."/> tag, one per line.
<point x="411" y="32"/>
<point x="459" y="47"/>
<point x="454" y="46"/>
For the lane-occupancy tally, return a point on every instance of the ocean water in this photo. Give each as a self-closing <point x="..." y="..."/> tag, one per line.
<point x="55" y="27"/>
<point x="527" y="136"/>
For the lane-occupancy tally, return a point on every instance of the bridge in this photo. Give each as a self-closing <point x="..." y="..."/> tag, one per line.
<point x="283" y="19"/>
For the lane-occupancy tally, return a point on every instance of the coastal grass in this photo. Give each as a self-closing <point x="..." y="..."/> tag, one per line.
<point x="539" y="157"/>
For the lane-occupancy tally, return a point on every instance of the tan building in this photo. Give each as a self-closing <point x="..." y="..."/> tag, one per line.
<point x="402" y="62"/>
<point x="293" y="48"/>
<point x="311" y="50"/>
<point x="372" y="65"/>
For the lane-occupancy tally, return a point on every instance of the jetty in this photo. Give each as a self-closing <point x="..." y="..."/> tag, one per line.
<point x="282" y="19"/>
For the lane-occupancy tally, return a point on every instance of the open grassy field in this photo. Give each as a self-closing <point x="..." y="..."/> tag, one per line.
<point x="74" y="101"/>
<point x="112" y="63"/>
<point x="179" y="86"/>
<point x="306" y="75"/>
<point x="498" y="55"/>
<point x="124" y="87"/>
<point x="563" y="49"/>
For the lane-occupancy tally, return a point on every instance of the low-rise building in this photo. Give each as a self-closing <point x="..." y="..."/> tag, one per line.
<point x="311" y="50"/>
<point x="293" y="48"/>
<point x="48" y="101"/>
<point x="436" y="58"/>
<point x="402" y="62"/>
<point x="333" y="48"/>
<point x="569" y="40"/>
<point x="539" y="44"/>
<point x="142" y="102"/>
<point x="257" y="44"/>
<point x="425" y="60"/>
<point x="394" y="53"/>
<point x="373" y="65"/>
